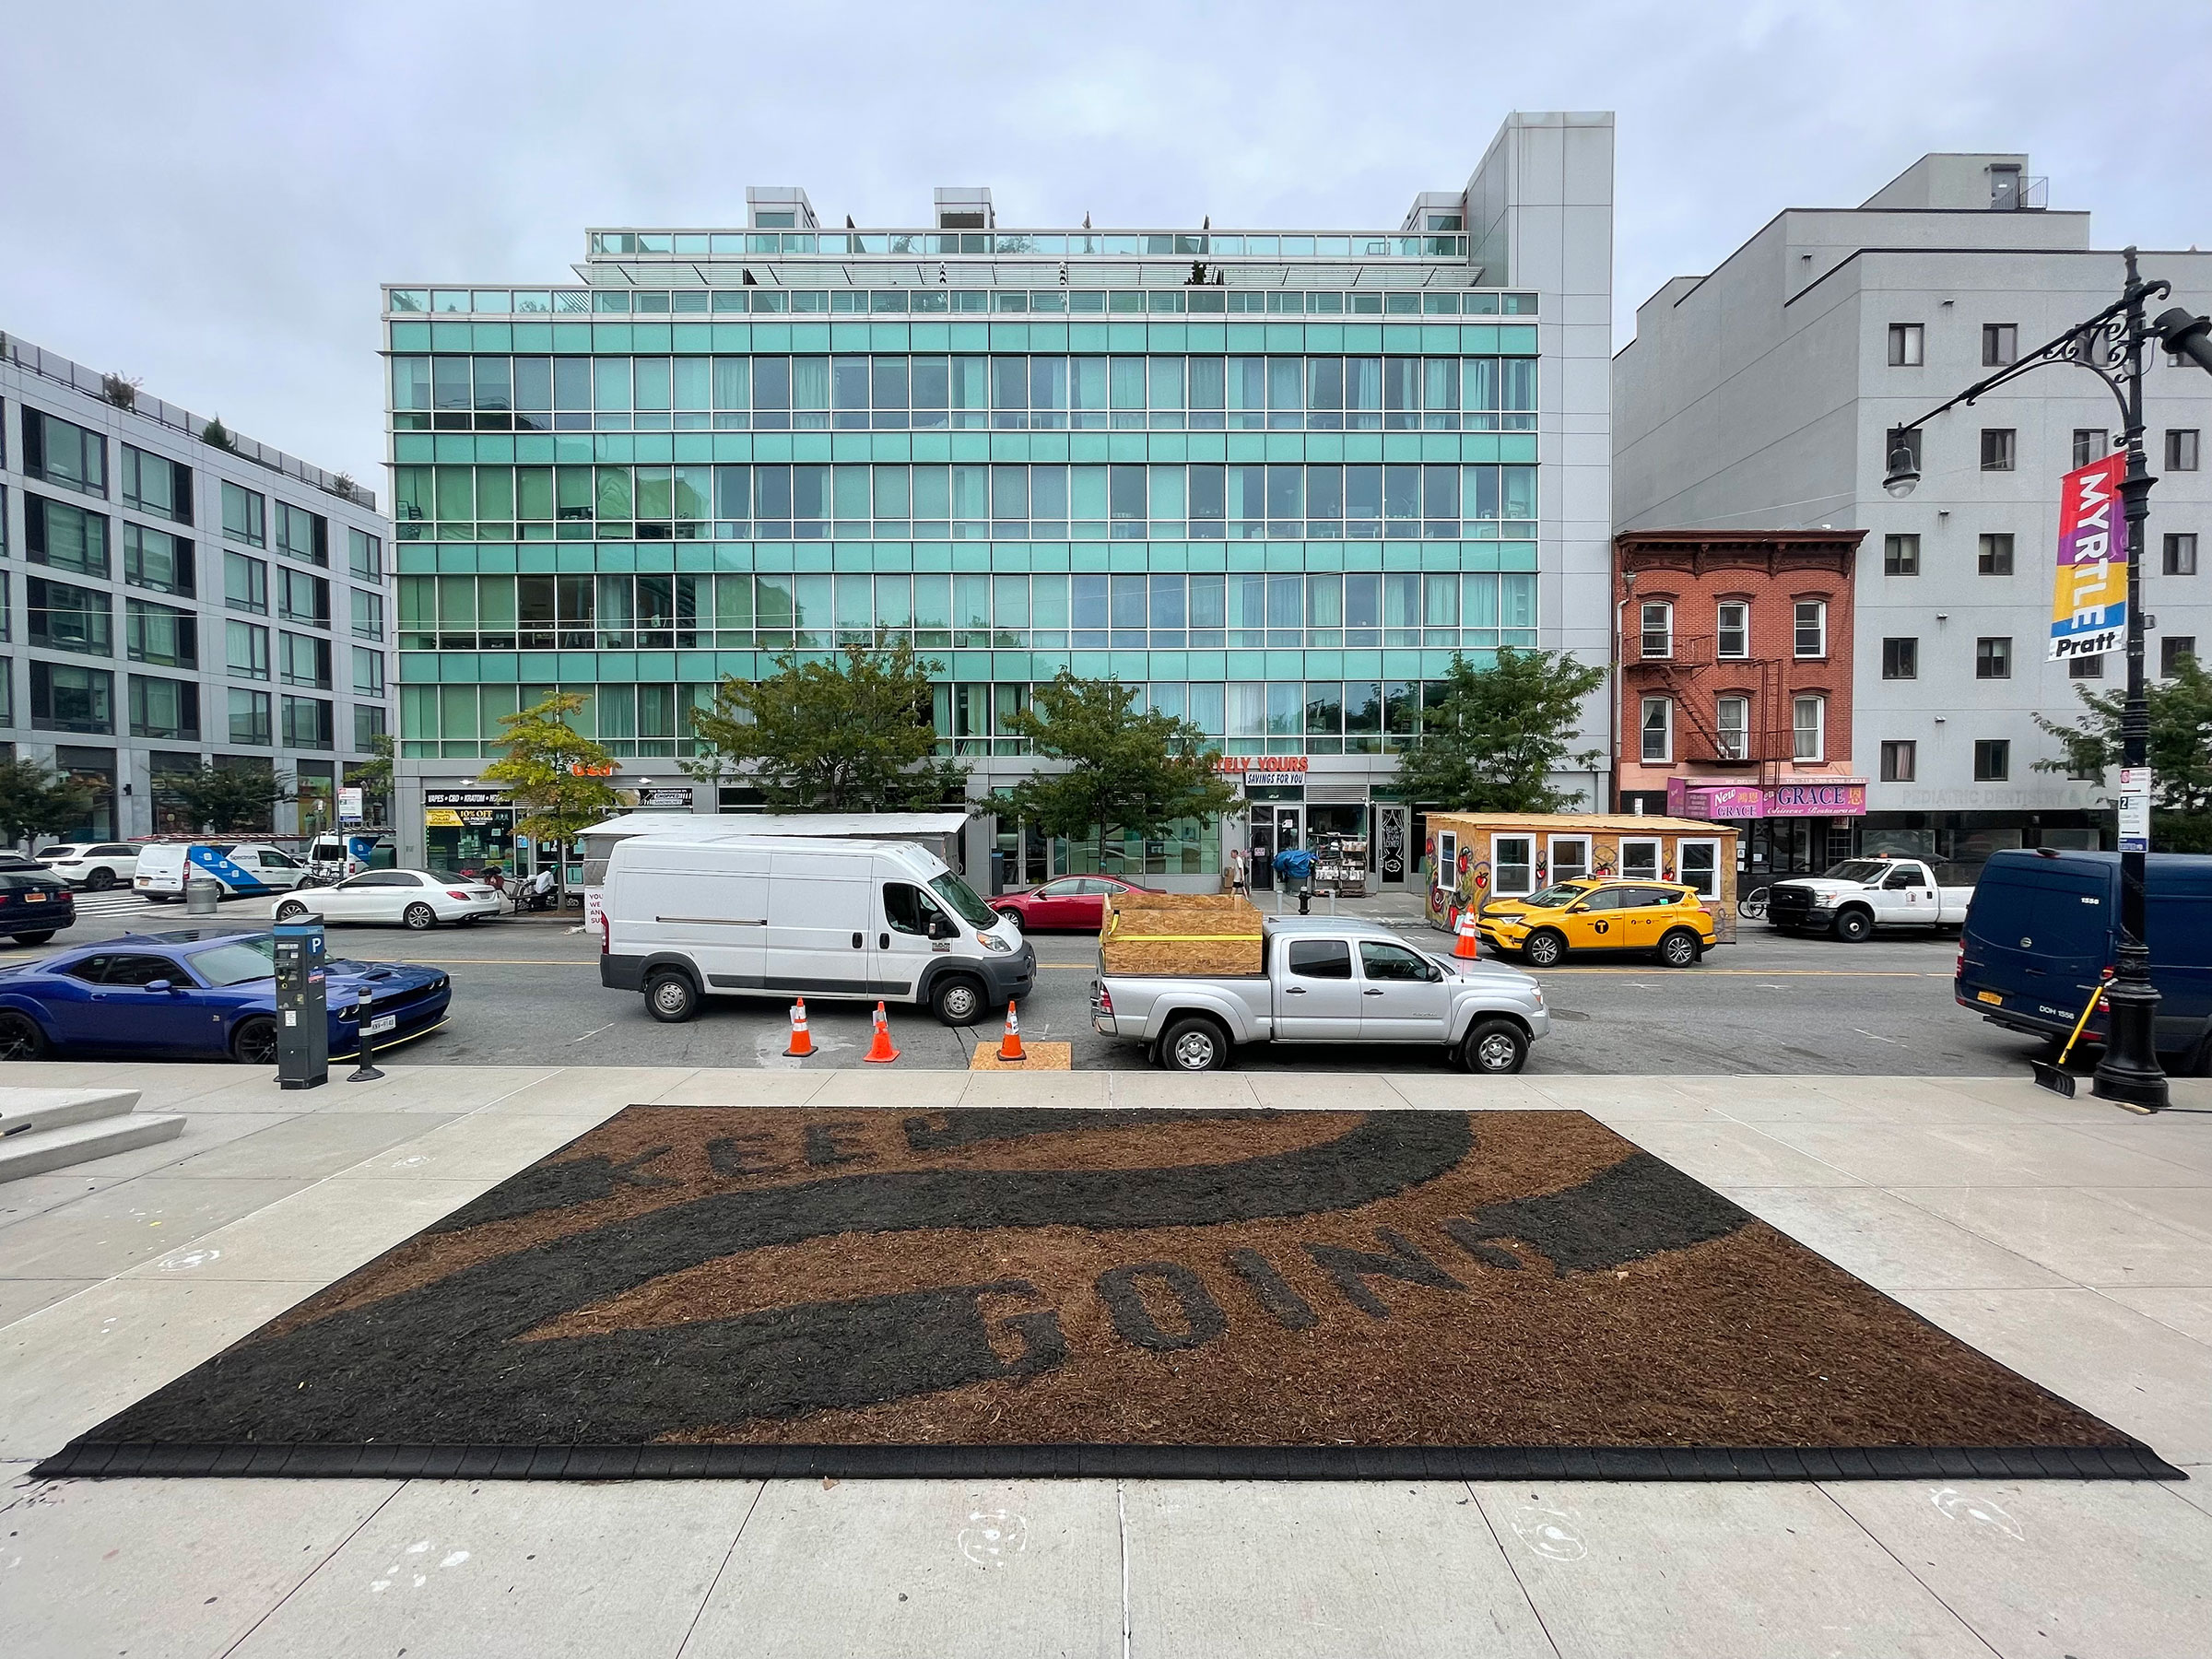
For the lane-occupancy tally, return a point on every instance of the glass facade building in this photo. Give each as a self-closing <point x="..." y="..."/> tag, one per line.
<point x="1275" y="481"/>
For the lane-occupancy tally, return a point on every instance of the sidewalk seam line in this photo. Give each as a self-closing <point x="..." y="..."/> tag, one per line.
<point x="714" y="1583"/>
<point x="1505" y="1555"/>
<point x="309" y="1576"/>
<point x="1822" y="1486"/>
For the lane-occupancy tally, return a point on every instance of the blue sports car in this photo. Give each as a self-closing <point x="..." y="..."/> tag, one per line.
<point x="198" y="993"/>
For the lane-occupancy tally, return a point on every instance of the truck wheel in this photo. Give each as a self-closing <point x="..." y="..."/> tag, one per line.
<point x="1194" y="1044"/>
<point x="1544" y="950"/>
<point x="957" y="1001"/>
<point x="1496" y="1048"/>
<point x="670" y="997"/>
<point x="1854" y="927"/>
<point x="1679" y="949"/>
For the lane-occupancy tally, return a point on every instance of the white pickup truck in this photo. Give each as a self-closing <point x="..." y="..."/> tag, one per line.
<point x="1853" y="899"/>
<point x="1328" y="979"/>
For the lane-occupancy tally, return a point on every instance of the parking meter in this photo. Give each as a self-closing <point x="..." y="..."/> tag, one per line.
<point x="302" y="1020"/>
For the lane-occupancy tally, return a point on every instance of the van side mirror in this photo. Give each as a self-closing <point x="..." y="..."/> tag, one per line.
<point x="939" y="928"/>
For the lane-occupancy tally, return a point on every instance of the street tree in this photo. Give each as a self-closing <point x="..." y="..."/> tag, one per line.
<point x="1490" y="743"/>
<point x="850" y="734"/>
<point x="373" y="777"/>
<point x="217" y="800"/>
<point x="2180" y="707"/>
<point x="556" y="776"/>
<point x="1124" y="774"/>
<point x="34" y="798"/>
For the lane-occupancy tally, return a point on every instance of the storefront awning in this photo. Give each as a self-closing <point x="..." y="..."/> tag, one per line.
<point x="1824" y="797"/>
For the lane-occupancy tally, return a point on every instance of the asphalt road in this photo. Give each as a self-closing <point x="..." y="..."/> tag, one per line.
<point x="527" y="992"/>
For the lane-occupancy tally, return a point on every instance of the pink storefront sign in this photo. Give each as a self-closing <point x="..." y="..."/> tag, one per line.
<point x="1842" y="797"/>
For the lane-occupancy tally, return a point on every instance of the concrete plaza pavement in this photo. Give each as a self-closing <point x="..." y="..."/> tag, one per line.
<point x="2067" y="1239"/>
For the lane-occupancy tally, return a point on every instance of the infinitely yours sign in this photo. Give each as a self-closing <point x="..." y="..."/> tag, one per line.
<point x="2088" y="601"/>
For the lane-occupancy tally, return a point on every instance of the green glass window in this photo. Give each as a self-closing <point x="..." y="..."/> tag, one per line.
<point x="160" y="634"/>
<point x="60" y="452"/>
<point x="245" y="514"/>
<point x="154" y="559"/>
<point x="64" y="537"/>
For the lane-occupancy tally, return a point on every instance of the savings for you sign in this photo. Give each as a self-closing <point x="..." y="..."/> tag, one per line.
<point x="2088" y="602"/>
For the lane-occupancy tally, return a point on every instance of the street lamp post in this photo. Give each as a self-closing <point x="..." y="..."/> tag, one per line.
<point x="2113" y="346"/>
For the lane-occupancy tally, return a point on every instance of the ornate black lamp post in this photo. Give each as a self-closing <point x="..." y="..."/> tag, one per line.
<point x="2113" y="346"/>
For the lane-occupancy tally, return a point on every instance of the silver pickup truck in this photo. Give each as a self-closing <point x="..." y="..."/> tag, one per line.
<point x="1328" y="979"/>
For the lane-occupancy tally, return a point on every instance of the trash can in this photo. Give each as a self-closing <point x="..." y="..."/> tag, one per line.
<point x="200" y="895"/>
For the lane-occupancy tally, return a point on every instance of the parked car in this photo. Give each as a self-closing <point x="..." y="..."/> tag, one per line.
<point x="1075" y="903"/>
<point x="333" y="857"/>
<point x="94" y="865"/>
<point x="1327" y="980"/>
<point x="35" y="903"/>
<point x="1665" y="918"/>
<point x="245" y="869"/>
<point x="198" y="993"/>
<point x="685" y="919"/>
<point x="1851" y="899"/>
<point x="413" y="898"/>
<point x="2044" y="927"/>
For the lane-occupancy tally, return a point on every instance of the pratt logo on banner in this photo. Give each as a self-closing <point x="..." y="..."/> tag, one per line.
<point x="2088" y="603"/>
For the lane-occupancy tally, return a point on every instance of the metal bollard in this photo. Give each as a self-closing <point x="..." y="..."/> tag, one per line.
<point x="201" y="892"/>
<point x="365" y="1071"/>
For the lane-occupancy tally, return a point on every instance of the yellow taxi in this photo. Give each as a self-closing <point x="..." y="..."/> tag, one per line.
<point x="1602" y="913"/>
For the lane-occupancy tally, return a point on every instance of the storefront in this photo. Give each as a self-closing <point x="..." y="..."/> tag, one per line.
<point x="1359" y="833"/>
<point x="468" y="829"/>
<point x="1792" y="828"/>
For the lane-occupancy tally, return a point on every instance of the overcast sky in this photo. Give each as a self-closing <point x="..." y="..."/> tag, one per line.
<point x="207" y="196"/>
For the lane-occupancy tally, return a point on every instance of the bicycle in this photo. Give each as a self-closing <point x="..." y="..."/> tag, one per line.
<point x="1752" y="905"/>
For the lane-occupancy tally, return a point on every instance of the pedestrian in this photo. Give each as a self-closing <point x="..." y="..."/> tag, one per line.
<point x="1238" y="884"/>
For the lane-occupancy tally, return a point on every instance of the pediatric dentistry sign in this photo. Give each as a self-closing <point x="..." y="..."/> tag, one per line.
<point x="2088" y="603"/>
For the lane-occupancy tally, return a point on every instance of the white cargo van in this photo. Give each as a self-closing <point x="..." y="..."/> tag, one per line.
<point x="779" y="916"/>
<point x="245" y="868"/>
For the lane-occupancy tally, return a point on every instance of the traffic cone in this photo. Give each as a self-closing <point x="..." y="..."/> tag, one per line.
<point x="802" y="1042"/>
<point x="1009" y="1046"/>
<point x="1464" y="945"/>
<point x="881" y="1051"/>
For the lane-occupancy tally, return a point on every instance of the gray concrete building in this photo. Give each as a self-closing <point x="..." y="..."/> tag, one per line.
<point x="1759" y="397"/>
<point x="170" y="601"/>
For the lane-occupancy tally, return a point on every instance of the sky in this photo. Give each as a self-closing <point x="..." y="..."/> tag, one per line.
<point x="206" y="198"/>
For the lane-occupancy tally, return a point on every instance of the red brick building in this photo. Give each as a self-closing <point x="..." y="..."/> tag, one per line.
<point x="1734" y="686"/>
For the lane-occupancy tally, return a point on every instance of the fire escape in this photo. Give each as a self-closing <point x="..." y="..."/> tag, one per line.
<point x="1688" y="669"/>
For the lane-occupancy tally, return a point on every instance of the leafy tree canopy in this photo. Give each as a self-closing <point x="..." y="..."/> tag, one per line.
<point x="1497" y="733"/>
<point x="34" y="798"/>
<point x="220" y="799"/>
<point x="2181" y="751"/>
<point x="553" y="773"/>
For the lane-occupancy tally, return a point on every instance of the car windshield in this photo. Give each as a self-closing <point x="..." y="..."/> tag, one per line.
<point x="1552" y="898"/>
<point x="961" y="897"/>
<point x="241" y="963"/>
<point x="1856" y="869"/>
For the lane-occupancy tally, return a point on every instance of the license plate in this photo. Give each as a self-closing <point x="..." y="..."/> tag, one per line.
<point x="34" y="898"/>
<point x="1989" y="996"/>
<point x="381" y="1024"/>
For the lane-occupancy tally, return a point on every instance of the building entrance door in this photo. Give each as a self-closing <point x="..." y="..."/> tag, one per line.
<point x="1275" y="829"/>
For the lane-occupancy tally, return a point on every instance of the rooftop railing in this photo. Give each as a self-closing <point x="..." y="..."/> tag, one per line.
<point x="1049" y="244"/>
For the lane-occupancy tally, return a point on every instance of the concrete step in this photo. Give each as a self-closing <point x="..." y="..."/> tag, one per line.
<point x="39" y="1151"/>
<point x="24" y="1111"/>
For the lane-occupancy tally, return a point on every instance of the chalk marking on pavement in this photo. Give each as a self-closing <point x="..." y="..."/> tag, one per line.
<point x="589" y="1035"/>
<point x="1862" y="1031"/>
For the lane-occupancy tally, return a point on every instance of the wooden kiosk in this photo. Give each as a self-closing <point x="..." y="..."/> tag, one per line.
<point x="1469" y="858"/>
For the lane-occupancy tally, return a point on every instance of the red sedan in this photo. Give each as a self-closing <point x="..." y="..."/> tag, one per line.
<point x="1075" y="903"/>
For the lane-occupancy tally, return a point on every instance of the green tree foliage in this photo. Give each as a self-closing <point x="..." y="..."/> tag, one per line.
<point x="220" y="799"/>
<point x="845" y="736"/>
<point x="554" y="774"/>
<point x="373" y="777"/>
<point x="1127" y="773"/>
<point x="2180" y="753"/>
<point x="1493" y="741"/>
<point x="35" y="799"/>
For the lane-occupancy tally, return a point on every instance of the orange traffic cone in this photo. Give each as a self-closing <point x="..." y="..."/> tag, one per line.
<point x="1464" y="945"/>
<point x="802" y="1043"/>
<point x="1009" y="1046"/>
<point x="881" y="1051"/>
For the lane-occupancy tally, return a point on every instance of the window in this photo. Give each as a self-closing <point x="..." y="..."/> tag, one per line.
<point x="2085" y="667"/>
<point x="2181" y="450"/>
<point x="160" y="633"/>
<point x="1320" y="959"/>
<point x="303" y="660"/>
<point x="1807" y="728"/>
<point x="164" y="708"/>
<point x="246" y="651"/>
<point x="249" y="718"/>
<point x="1907" y="344"/>
<point x="2000" y="344"/>
<point x="66" y="537"/>
<point x="156" y="485"/>
<point x="2090" y="444"/>
<point x="303" y="598"/>
<point x="364" y="556"/>
<point x="1394" y="963"/>
<point x="302" y="535"/>
<point x="245" y="583"/>
<point x="1734" y="630"/>
<point x="368" y="614"/>
<point x="65" y="453"/>
<point x="1900" y="659"/>
<point x="2174" y="651"/>
<point x="244" y="515"/>
<point x="1732" y="721"/>
<point x="1993" y="760"/>
<point x="1658" y="631"/>
<point x="1899" y="762"/>
<point x="1901" y="555"/>
<point x="65" y="617"/>
<point x="154" y="559"/>
<point x="65" y="698"/>
<point x="1701" y="870"/>
<point x="1812" y="628"/>
<point x="307" y="722"/>
<point x="368" y="672"/>
<point x="1658" y="730"/>
<point x="1512" y="866"/>
<point x="1992" y="657"/>
<point x="2181" y="554"/>
<point x="368" y="725"/>
<point x="1997" y="447"/>
<point x="1996" y="555"/>
<point x="1569" y="857"/>
<point x="1638" y="857"/>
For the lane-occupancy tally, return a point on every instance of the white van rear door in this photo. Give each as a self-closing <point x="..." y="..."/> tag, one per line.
<point x="820" y="918"/>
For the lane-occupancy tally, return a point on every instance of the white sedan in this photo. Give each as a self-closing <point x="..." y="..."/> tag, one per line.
<point x="414" y="898"/>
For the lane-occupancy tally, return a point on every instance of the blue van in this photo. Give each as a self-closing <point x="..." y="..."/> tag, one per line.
<point x="2044" y="925"/>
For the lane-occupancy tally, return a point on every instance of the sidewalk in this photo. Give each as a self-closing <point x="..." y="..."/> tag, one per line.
<point x="2069" y="1241"/>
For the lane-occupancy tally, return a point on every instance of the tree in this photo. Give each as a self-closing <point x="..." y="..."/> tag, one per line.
<point x="2181" y="751"/>
<point x="217" y="434"/>
<point x="218" y="799"/>
<point x="33" y="798"/>
<point x="373" y="777"/>
<point x="1492" y="743"/>
<point x="851" y="736"/>
<point x="555" y="775"/>
<point x="1127" y="772"/>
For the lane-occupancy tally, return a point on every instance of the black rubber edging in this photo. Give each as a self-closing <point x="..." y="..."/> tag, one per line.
<point x="2134" y="1462"/>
